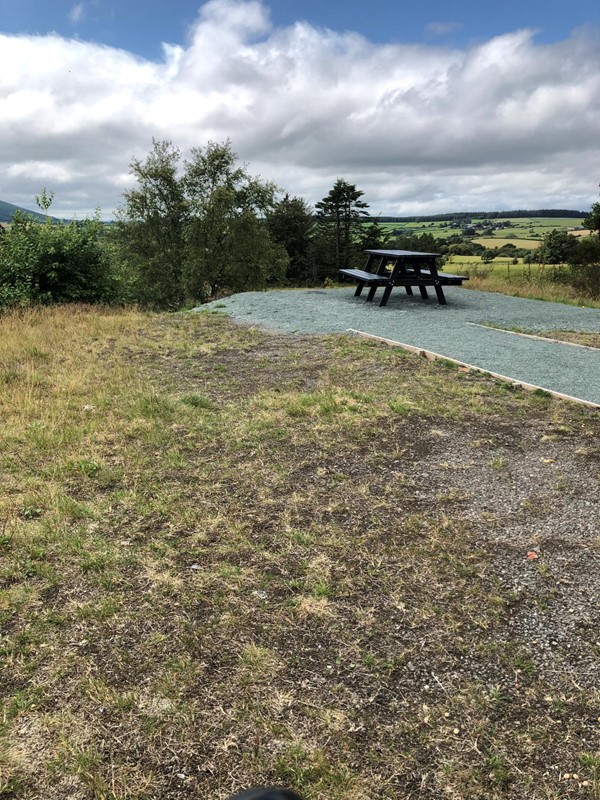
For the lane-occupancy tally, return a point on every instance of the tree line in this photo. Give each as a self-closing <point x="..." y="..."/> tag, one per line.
<point x="190" y="230"/>
<point x="456" y="216"/>
<point x="193" y="229"/>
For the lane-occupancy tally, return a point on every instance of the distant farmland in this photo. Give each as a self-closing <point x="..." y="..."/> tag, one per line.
<point x="522" y="231"/>
<point x="492" y="241"/>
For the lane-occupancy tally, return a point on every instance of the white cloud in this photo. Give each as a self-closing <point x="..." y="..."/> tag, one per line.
<point x="443" y="28"/>
<point x="503" y="124"/>
<point x="77" y="13"/>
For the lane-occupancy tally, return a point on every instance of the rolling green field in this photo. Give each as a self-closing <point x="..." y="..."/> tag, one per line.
<point x="530" y="229"/>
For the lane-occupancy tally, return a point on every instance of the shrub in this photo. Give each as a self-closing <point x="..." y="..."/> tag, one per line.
<point x="55" y="262"/>
<point x="585" y="265"/>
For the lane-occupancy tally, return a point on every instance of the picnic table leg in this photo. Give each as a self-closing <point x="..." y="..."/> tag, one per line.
<point x="424" y="294"/>
<point x="359" y="288"/>
<point x="408" y="289"/>
<point x="440" y="294"/>
<point x="372" y="291"/>
<point x="386" y="295"/>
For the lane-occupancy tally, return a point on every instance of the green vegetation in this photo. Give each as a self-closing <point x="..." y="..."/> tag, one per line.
<point x="229" y="558"/>
<point x="339" y="219"/>
<point x="592" y="221"/>
<point x="52" y="262"/>
<point x="292" y="224"/>
<point x="192" y="231"/>
<point x="525" y="228"/>
<point x="537" y="281"/>
<point x="550" y="263"/>
<point x="186" y="235"/>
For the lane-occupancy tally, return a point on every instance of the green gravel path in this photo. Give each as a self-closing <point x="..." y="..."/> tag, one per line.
<point x="444" y="329"/>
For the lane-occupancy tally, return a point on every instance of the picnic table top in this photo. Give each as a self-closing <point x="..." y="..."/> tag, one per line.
<point x="401" y="253"/>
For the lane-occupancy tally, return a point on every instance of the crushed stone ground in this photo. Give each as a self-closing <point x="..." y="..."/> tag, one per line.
<point x="447" y="330"/>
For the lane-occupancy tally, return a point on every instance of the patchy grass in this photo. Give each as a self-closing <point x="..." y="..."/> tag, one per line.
<point x="575" y="337"/>
<point x="587" y="339"/>
<point x="230" y="558"/>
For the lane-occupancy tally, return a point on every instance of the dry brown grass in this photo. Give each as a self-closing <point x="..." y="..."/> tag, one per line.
<point x="229" y="558"/>
<point x="535" y="289"/>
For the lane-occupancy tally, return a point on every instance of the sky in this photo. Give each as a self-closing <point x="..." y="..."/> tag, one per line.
<point x="426" y="107"/>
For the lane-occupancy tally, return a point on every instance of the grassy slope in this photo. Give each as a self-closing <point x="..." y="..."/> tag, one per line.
<point x="7" y="211"/>
<point x="527" y="228"/>
<point x="230" y="558"/>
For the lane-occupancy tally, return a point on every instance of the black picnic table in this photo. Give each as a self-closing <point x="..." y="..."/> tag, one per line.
<point x="407" y="268"/>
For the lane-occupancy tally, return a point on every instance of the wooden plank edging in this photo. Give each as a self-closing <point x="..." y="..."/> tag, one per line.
<point x="532" y="336"/>
<point x="431" y="356"/>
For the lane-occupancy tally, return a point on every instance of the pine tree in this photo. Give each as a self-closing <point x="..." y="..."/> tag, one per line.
<point x="339" y="215"/>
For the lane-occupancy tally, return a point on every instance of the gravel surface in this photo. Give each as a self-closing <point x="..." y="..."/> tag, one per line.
<point x="446" y="330"/>
<point x="540" y="500"/>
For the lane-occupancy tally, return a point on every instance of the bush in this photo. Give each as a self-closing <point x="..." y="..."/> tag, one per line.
<point x="55" y="262"/>
<point x="585" y="265"/>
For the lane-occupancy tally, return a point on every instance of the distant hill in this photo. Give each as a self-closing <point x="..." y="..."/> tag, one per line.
<point x="7" y="212"/>
<point x="458" y="215"/>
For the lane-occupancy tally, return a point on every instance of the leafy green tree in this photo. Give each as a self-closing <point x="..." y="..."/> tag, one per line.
<point x="592" y="221"/>
<point x="291" y="223"/>
<point x="372" y="236"/>
<point x="44" y="200"/>
<point x="584" y="258"/>
<point x="420" y="243"/>
<point x="557" y="247"/>
<point x="466" y="249"/>
<point x="228" y="240"/>
<point x="585" y="265"/>
<point x="188" y="231"/>
<point x="339" y="216"/>
<point x="151" y="228"/>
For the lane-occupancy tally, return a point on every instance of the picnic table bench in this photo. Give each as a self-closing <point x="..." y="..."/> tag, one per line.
<point x="389" y="268"/>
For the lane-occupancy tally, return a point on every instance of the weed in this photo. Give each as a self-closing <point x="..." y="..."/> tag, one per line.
<point x="402" y="406"/>
<point x="322" y="589"/>
<point x="312" y="774"/>
<point x="30" y="511"/>
<point x="198" y="401"/>
<point x="499" y="771"/>
<point x="525" y="665"/>
<point x="87" y="467"/>
<point x="156" y="406"/>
